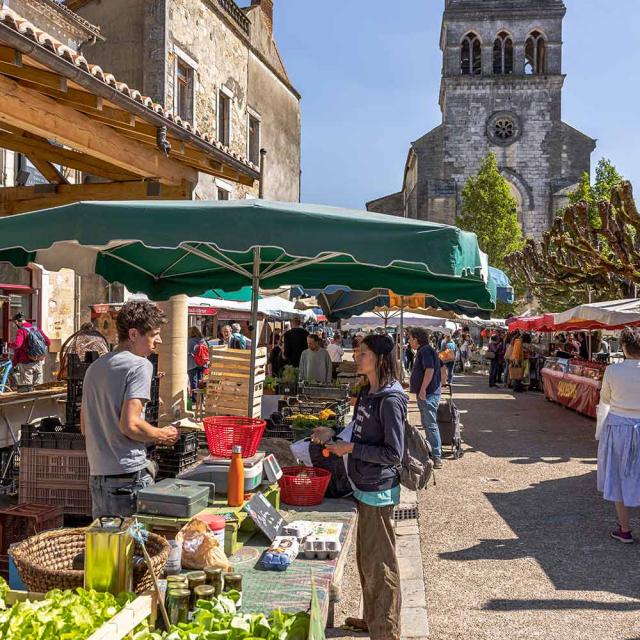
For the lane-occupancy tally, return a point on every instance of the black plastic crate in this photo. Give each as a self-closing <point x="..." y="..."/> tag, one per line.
<point x="287" y="388"/>
<point x="281" y="431"/>
<point x="33" y="437"/>
<point x="186" y="444"/>
<point x="76" y="369"/>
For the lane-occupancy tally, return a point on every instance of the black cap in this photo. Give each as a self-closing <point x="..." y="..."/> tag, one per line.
<point x="19" y="317"/>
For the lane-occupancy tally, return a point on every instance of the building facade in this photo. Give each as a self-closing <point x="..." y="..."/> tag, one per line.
<point x="219" y="68"/>
<point x="501" y="92"/>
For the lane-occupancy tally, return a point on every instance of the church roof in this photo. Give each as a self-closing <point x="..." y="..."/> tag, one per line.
<point x="502" y="7"/>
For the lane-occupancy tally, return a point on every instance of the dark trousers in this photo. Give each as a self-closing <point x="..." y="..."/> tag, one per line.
<point x="379" y="571"/>
<point x="494" y="372"/>
<point x="195" y="375"/>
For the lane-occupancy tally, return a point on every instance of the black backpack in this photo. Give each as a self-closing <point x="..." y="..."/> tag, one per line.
<point x="416" y="468"/>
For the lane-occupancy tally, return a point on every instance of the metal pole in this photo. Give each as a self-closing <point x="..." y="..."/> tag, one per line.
<point x="401" y="338"/>
<point x="255" y="288"/>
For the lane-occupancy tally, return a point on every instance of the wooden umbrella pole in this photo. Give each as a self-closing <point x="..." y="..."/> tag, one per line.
<point x="255" y="290"/>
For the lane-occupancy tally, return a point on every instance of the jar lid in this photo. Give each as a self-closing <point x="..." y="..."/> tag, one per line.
<point x="214" y="522"/>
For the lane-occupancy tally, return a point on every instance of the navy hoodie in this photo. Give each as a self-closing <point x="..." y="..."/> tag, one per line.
<point x="378" y="444"/>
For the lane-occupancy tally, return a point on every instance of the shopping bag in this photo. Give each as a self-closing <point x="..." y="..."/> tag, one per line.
<point x="447" y="355"/>
<point x="516" y="372"/>
<point x="602" y="411"/>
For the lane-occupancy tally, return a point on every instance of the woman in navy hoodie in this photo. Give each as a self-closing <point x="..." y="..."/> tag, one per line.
<point x="375" y="454"/>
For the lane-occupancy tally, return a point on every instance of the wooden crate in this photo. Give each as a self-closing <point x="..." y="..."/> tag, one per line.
<point x="118" y="628"/>
<point x="229" y="382"/>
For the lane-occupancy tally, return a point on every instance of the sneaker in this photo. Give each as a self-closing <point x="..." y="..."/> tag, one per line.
<point x="437" y="463"/>
<point x="622" y="536"/>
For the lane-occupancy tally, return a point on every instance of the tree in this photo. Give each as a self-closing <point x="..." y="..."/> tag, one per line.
<point x="491" y="212"/>
<point x="590" y="252"/>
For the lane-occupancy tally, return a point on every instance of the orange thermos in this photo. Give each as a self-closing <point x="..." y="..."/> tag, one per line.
<point x="235" y="480"/>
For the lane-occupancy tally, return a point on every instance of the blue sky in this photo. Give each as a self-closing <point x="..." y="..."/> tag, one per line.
<point x="369" y="74"/>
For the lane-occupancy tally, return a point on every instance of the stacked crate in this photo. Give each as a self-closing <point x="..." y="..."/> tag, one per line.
<point x="54" y="469"/>
<point x="229" y="382"/>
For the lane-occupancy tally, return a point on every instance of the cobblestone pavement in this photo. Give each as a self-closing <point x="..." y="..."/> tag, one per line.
<point x="514" y="535"/>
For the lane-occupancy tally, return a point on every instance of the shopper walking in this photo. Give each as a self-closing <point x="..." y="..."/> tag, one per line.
<point x="336" y="353"/>
<point x="30" y="350"/>
<point x="494" y="352"/>
<point x="426" y="384"/>
<point x="374" y="456"/>
<point x="115" y="390"/>
<point x="619" y="435"/>
<point x="448" y="348"/>
<point x="197" y="359"/>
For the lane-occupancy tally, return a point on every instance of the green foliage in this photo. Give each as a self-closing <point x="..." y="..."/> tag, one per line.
<point x="606" y="179"/>
<point x="490" y="211"/>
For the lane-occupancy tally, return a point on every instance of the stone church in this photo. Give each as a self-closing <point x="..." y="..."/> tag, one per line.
<point x="501" y="91"/>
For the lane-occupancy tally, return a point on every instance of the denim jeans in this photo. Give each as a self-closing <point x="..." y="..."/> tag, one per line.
<point x="429" y="420"/>
<point x="116" y="496"/>
<point x="494" y="372"/>
<point x="449" y="366"/>
<point x="195" y="375"/>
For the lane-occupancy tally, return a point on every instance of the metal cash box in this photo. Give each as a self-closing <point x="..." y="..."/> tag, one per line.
<point x="176" y="498"/>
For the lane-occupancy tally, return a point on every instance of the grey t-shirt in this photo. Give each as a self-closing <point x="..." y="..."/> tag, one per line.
<point x="109" y="381"/>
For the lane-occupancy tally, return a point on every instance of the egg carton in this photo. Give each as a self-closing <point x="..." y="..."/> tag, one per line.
<point x="321" y="549"/>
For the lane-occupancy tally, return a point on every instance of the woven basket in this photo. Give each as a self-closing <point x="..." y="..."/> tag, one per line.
<point x="45" y="561"/>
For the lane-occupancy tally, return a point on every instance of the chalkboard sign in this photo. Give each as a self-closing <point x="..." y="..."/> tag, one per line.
<point x="267" y="519"/>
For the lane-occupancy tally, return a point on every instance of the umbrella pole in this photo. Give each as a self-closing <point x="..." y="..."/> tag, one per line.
<point x="255" y="288"/>
<point x="401" y="338"/>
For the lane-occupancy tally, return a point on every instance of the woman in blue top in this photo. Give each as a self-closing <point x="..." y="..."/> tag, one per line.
<point x="375" y="454"/>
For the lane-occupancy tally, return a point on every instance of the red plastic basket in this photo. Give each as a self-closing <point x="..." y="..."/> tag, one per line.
<point x="223" y="432"/>
<point x="303" y="486"/>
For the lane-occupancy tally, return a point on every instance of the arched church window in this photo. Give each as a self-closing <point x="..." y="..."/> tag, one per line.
<point x="471" y="55"/>
<point x="535" y="50"/>
<point x="503" y="54"/>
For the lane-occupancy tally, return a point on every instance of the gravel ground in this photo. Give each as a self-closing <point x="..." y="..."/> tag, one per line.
<point x="515" y="537"/>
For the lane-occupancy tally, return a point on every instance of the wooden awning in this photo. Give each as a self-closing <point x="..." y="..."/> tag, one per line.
<point x="57" y="109"/>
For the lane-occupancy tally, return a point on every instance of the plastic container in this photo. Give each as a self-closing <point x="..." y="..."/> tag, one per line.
<point x="216" y="525"/>
<point x="303" y="486"/>
<point x="175" y="498"/>
<point x="235" y="479"/>
<point x="223" y="432"/>
<point x="216" y="470"/>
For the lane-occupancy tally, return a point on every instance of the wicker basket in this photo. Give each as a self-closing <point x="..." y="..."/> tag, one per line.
<point x="45" y="561"/>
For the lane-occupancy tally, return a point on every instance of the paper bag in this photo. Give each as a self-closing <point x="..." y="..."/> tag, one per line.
<point x="200" y="548"/>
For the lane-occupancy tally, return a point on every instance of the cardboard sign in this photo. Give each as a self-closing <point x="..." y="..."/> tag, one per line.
<point x="267" y="519"/>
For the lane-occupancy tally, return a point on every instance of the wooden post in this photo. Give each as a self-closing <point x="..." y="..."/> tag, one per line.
<point x="173" y="360"/>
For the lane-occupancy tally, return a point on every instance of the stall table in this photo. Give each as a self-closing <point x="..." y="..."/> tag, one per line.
<point x="291" y="589"/>
<point x="576" y="392"/>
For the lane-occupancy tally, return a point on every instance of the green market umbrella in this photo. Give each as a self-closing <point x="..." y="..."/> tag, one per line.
<point x="166" y="248"/>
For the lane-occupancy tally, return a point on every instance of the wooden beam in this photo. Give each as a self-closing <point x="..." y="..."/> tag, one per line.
<point x="29" y="110"/>
<point x="32" y="74"/>
<point x="14" y="200"/>
<point x="12" y="56"/>
<point x="47" y="169"/>
<point x="41" y="149"/>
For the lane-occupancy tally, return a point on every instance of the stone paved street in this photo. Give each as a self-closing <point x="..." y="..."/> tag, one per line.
<point x="515" y="537"/>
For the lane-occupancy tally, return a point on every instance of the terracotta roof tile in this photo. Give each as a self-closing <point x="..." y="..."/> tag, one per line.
<point x="16" y="22"/>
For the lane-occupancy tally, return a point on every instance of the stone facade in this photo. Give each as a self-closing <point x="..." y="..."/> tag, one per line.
<point x="226" y="51"/>
<point x="501" y="92"/>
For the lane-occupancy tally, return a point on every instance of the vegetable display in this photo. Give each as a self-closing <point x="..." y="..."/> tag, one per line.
<point x="270" y="383"/>
<point x="218" y="619"/>
<point x="289" y="374"/>
<point x="61" y="615"/>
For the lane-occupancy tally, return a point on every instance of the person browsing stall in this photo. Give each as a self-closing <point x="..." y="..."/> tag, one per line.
<point x="315" y="362"/>
<point x="29" y="351"/>
<point x="375" y="453"/>
<point x="115" y="390"/>
<point x="426" y="383"/>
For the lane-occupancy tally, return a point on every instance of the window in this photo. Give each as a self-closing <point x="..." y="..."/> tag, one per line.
<point x="224" y="118"/>
<point x="471" y="55"/>
<point x="184" y="90"/>
<point x="223" y="194"/>
<point x="503" y="54"/>
<point x="254" y="140"/>
<point x="535" y="62"/>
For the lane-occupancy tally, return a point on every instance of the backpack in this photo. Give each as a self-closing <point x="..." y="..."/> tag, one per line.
<point x="36" y="345"/>
<point x="238" y="341"/>
<point x="201" y="354"/>
<point x="416" y="467"/>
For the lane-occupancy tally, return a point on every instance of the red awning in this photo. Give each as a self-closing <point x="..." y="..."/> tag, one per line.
<point x="545" y="322"/>
<point x="203" y="311"/>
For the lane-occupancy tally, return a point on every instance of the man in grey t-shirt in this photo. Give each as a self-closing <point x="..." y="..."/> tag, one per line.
<point x="115" y="389"/>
